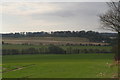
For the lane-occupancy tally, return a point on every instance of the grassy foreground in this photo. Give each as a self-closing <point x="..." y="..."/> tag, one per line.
<point x="59" y="66"/>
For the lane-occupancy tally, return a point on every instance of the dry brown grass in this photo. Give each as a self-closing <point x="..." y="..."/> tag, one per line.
<point x="49" y="40"/>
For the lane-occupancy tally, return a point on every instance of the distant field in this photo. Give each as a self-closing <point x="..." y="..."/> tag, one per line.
<point x="59" y="66"/>
<point x="19" y="47"/>
<point x="49" y="40"/>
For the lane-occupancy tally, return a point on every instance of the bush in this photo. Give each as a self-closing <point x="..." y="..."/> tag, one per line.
<point x="30" y="51"/>
<point x="10" y="51"/>
<point x="3" y="42"/>
<point x="55" y="50"/>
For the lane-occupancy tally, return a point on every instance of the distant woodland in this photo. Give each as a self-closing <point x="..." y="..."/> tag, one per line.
<point x="91" y="35"/>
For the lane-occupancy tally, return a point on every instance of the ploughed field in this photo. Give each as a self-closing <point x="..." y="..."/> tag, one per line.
<point x="59" y="66"/>
<point x="48" y="40"/>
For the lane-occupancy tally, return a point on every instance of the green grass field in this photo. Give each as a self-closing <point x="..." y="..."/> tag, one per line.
<point x="59" y="66"/>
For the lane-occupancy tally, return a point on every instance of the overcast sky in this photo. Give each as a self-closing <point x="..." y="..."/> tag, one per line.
<point x="38" y="16"/>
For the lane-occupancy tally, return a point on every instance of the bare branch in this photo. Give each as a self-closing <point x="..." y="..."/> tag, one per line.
<point x="111" y="19"/>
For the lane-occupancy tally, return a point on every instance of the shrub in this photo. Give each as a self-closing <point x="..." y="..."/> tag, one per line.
<point x="55" y="50"/>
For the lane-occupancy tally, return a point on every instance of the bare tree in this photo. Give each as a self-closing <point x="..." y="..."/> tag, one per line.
<point x="111" y="21"/>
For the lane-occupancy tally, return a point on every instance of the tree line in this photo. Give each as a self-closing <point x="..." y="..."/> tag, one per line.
<point x="91" y="35"/>
<point x="52" y="49"/>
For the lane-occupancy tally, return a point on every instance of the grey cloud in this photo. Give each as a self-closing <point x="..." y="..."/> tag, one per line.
<point x="85" y="14"/>
<point x="80" y="13"/>
<point x="75" y="9"/>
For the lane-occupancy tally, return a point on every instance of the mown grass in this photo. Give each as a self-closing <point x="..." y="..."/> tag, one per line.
<point x="59" y="66"/>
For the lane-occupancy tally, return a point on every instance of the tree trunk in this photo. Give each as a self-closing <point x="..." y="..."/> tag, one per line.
<point x="118" y="46"/>
<point x="117" y="54"/>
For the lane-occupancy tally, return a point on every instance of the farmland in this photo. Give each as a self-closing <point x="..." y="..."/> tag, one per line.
<point x="59" y="66"/>
<point x="80" y="59"/>
<point x="49" y="40"/>
<point x="18" y="46"/>
<point x="60" y="40"/>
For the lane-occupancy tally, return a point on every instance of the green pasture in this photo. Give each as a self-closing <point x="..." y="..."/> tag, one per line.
<point x="59" y="66"/>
